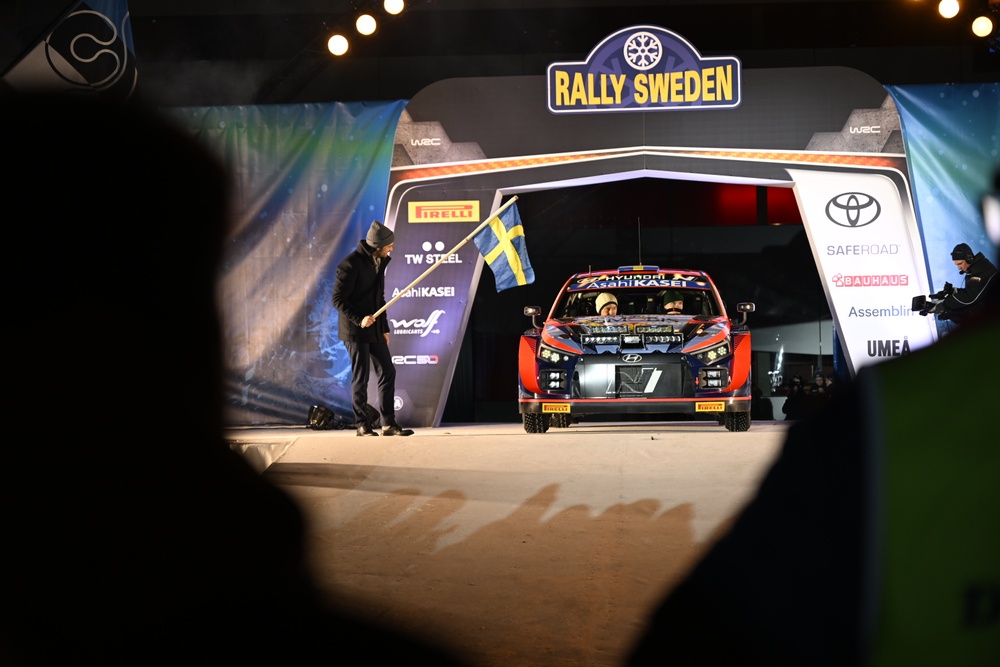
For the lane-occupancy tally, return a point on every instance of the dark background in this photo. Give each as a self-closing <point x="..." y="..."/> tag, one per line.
<point x="749" y="239"/>
<point x="208" y="52"/>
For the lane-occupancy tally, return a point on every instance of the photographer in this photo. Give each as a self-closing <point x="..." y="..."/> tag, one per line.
<point x="963" y="304"/>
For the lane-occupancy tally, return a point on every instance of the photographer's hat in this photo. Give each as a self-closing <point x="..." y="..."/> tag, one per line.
<point x="962" y="251"/>
<point x="379" y="235"/>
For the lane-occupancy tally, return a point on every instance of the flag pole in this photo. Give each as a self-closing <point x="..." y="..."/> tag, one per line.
<point x="446" y="256"/>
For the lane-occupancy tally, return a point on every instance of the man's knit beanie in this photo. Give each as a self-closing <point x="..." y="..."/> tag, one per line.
<point x="379" y="235"/>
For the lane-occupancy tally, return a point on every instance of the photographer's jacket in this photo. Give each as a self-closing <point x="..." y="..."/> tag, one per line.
<point x="359" y="290"/>
<point x="966" y="301"/>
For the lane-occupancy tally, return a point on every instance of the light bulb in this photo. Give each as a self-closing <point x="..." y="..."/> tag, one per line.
<point x="948" y="8"/>
<point x="365" y="24"/>
<point x="393" y="6"/>
<point x="337" y="45"/>
<point x="982" y="26"/>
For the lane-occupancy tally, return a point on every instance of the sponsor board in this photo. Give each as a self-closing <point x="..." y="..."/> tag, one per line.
<point x="424" y="291"/>
<point x="421" y="326"/>
<point x="710" y="406"/>
<point x="443" y="211"/>
<point x="864" y="237"/>
<point x="862" y="249"/>
<point x="415" y="359"/>
<point x="888" y="348"/>
<point x="561" y="408"/>
<point x="901" y="310"/>
<point x="432" y="258"/>
<point x="871" y="280"/>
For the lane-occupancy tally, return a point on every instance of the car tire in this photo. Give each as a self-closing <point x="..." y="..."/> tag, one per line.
<point x="560" y="421"/>
<point x="535" y="423"/>
<point x="737" y="421"/>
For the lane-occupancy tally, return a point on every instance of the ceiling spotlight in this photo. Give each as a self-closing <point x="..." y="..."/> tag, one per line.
<point x="337" y="45"/>
<point x="982" y="26"/>
<point x="948" y="8"/>
<point x="393" y="6"/>
<point x="365" y="24"/>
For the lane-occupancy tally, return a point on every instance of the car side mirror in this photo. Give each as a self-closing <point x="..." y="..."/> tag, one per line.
<point x="533" y="312"/>
<point x="744" y="308"/>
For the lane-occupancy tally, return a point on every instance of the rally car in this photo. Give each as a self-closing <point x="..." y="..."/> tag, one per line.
<point x="670" y="348"/>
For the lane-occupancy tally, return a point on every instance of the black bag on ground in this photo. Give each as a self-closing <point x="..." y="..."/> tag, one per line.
<point x="322" y="418"/>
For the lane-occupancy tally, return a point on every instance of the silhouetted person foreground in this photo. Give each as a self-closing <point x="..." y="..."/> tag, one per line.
<point x="874" y="539"/>
<point x="138" y="536"/>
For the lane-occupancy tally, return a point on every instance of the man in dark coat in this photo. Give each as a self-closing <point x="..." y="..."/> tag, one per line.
<point x="964" y="303"/>
<point x="358" y="293"/>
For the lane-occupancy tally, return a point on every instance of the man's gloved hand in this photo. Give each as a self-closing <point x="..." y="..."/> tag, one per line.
<point x="948" y="289"/>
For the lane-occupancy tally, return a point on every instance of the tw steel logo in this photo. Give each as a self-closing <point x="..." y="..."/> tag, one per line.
<point x="631" y="358"/>
<point x="853" y="209"/>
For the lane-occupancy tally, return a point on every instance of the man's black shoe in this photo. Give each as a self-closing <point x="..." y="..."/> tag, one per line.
<point x="396" y="430"/>
<point x="365" y="429"/>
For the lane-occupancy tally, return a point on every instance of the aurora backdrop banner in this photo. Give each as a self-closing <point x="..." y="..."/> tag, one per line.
<point x="307" y="182"/>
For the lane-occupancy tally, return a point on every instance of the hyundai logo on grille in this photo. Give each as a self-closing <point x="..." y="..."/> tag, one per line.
<point x="631" y="358"/>
<point x="853" y="209"/>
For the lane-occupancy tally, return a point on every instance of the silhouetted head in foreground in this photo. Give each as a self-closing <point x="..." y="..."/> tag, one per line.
<point x="139" y="535"/>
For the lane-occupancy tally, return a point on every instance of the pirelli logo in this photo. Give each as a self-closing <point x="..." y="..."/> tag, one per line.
<point x="710" y="406"/>
<point x="443" y="211"/>
<point x="561" y="408"/>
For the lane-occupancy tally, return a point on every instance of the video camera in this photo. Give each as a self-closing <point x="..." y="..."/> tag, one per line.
<point x="930" y="304"/>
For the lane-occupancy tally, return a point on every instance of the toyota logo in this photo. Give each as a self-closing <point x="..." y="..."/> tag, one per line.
<point x="853" y="209"/>
<point x="631" y="358"/>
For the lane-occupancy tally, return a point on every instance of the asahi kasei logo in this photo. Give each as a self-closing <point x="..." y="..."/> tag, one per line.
<point x="853" y="209"/>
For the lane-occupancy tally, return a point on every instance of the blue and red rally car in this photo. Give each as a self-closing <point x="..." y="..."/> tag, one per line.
<point x="668" y="346"/>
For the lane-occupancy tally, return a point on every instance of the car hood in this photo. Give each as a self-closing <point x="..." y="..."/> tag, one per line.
<point x="696" y="332"/>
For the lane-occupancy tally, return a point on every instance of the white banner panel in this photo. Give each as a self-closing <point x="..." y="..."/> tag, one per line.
<point x="870" y="257"/>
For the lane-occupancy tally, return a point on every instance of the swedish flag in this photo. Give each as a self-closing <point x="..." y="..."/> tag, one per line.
<point x="502" y="244"/>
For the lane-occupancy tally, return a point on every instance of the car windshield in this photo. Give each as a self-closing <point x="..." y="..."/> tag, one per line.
<point x="637" y="301"/>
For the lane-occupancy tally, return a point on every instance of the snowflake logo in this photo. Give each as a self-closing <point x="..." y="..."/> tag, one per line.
<point x="643" y="50"/>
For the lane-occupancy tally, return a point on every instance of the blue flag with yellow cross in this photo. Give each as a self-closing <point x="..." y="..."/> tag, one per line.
<point x="502" y="245"/>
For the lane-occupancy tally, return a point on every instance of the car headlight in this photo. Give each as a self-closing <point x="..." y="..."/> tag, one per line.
<point x="552" y="380"/>
<point x="600" y="340"/>
<point x="658" y="334"/>
<point x="710" y="355"/>
<point x="713" y="378"/>
<point x="552" y="355"/>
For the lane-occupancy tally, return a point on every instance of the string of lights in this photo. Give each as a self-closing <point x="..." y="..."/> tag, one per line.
<point x="365" y="24"/>
<point x="981" y="15"/>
